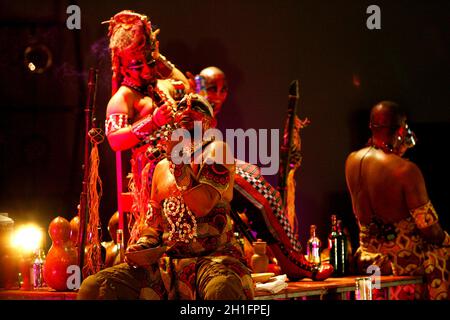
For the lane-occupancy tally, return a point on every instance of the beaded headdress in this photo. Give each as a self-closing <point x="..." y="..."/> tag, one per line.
<point x="129" y="31"/>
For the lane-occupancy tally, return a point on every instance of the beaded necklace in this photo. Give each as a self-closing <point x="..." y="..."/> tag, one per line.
<point x="182" y="222"/>
<point x="145" y="90"/>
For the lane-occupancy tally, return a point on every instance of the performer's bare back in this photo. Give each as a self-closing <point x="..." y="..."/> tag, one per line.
<point x="383" y="185"/>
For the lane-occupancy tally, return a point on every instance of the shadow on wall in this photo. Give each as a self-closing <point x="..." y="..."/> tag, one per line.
<point x="434" y="164"/>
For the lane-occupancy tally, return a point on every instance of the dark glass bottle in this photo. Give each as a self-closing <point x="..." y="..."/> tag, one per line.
<point x="313" y="246"/>
<point x="337" y="244"/>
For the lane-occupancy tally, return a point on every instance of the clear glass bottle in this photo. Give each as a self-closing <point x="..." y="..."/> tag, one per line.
<point x="37" y="269"/>
<point x="363" y="288"/>
<point x="120" y="244"/>
<point x="239" y="239"/>
<point x="313" y="246"/>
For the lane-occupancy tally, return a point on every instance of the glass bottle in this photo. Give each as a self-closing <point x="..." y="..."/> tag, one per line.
<point x="239" y="239"/>
<point x="337" y="244"/>
<point x="313" y="246"/>
<point x="37" y="269"/>
<point x="120" y="245"/>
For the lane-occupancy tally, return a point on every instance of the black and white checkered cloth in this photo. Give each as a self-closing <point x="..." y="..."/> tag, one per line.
<point x="252" y="175"/>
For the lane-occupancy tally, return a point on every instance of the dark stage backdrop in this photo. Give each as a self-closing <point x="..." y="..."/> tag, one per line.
<point x="343" y="69"/>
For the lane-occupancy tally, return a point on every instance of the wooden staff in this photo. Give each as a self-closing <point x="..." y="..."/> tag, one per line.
<point x="121" y="230"/>
<point x="285" y="156"/>
<point x="84" y="209"/>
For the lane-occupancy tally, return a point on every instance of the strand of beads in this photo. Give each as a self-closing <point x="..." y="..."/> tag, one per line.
<point x="182" y="222"/>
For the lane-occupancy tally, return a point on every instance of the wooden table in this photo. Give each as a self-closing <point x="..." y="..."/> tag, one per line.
<point x="341" y="286"/>
<point x="37" y="294"/>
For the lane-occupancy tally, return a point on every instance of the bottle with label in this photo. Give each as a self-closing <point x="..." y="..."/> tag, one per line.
<point x="313" y="246"/>
<point x="337" y="244"/>
<point x="37" y="269"/>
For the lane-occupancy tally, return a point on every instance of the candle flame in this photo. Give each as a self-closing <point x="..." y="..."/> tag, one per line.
<point x="27" y="238"/>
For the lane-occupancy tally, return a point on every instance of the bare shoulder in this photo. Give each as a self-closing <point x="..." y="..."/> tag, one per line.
<point x="220" y="152"/>
<point x="121" y="102"/>
<point x="219" y="144"/>
<point x="355" y="157"/>
<point x="408" y="171"/>
<point x="215" y="146"/>
<point x="159" y="174"/>
<point x="165" y="85"/>
<point x="162" y="166"/>
<point x="352" y="156"/>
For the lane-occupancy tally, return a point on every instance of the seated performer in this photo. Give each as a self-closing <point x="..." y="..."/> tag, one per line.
<point x="189" y="216"/>
<point x="399" y="228"/>
<point x="146" y="88"/>
<point x="258" y="203"/>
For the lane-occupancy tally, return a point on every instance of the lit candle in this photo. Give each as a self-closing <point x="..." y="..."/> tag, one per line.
<point x="26" y="241"/>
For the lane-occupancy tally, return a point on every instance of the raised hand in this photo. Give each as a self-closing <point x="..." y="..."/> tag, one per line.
<point x="163" y="114"/>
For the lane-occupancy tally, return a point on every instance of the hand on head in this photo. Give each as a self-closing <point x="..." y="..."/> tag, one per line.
<point x="163" y="115"/>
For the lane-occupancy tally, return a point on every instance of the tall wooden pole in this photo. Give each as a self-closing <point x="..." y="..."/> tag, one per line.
<point x="285" y="157"/>
<point x="84" y="209"/>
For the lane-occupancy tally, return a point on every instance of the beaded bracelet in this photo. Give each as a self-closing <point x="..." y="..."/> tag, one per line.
<point x="115" y="122"/>
<point x="142" y="128"/>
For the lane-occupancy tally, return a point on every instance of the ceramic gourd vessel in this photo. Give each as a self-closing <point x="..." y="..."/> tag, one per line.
<point x="61" y="255"/>
<point x="260" y="260"/>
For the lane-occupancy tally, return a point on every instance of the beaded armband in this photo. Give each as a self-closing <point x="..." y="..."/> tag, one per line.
<point x="215" y="175"/>
<point x="115" y="122"/>
<point x="424" y="216"/>
<point x="164" y="67"/>
<point x="143" y="127"/>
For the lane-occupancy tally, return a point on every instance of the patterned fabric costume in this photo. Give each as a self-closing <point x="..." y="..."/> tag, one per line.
<point x="208" y="265"/>
<point x="400" y="250"/>
<point x="215" y="246"/>
<point x="202" y="249"/>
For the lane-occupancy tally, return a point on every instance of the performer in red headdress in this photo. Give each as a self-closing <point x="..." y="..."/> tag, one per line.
<point x="146" y="88"/>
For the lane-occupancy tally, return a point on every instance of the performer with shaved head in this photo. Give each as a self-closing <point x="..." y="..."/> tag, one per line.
<point x="399" y="227"/>
<point x="269" y="216"/>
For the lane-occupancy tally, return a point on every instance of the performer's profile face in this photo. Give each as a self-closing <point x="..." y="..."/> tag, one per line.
<point x="139" y="67"/>
<point x="217" y="91"/>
